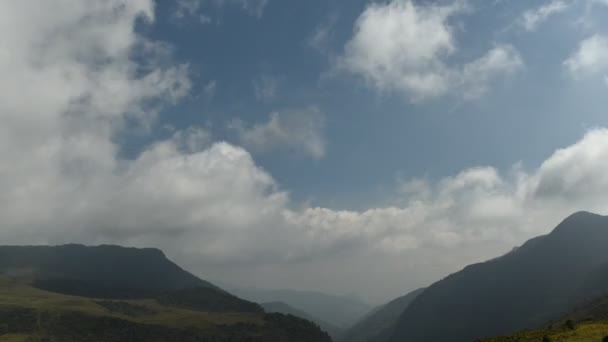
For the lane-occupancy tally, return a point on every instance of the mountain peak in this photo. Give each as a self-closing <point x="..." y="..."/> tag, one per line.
<point x="581" y="220"/>
<point x="582" y="214"/>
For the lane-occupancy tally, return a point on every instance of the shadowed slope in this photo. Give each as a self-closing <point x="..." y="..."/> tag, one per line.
<point x="531" y="285"/>
<point x="379" y="324"/>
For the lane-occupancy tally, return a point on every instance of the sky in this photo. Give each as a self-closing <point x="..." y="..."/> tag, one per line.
<point x="350" y="147"/>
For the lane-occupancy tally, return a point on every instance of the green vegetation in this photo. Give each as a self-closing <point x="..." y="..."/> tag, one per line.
<point x="30" y="314"/>
<point x="207" y="299"/>
<point x="279" y="307"/>
<point x="582" y="332"/>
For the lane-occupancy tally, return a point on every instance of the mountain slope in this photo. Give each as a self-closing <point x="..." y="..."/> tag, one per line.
<point x="111" y="293"/>
<point x="340" y="311"/>
<point x="279" y="307"/>
<point x="535" y="283"/>
<point x="588" y="322"/>
<point x="30" y="314"/>
<point x="378" y="325"/>
<point x="102" y="271"/>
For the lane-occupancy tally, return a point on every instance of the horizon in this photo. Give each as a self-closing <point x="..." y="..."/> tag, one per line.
<point x="352" y="296"/>
<point x="364" y="148"/>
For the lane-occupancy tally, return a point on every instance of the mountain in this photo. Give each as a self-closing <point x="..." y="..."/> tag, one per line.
<point x="536" y="283"/>
<point x="111" y="293"/>
<point x="30" y="314"/>
<point x="340" y="311"/>
<point x="279" y="307"/>
<point x="101" y="271"/>
<point x="378" y="325"/>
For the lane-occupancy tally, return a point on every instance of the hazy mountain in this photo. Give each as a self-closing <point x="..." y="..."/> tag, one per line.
<point x="538" y="282"/>
<point x="340" y="311"/>
<point x="283" y="308"/>
<point x="53" y="293"/>
<point x="378" y="325"/>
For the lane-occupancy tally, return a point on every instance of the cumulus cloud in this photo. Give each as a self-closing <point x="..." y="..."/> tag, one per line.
<point x="300" y="130"/>
<point x="405" y="47"/>
<point x="590" y="58"/>
<point x="533" y="18"/>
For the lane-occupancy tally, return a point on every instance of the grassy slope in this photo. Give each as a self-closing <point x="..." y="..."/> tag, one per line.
<point x="16" y="293"/>
<point x="583" y="332"/>
<point x="139" y="314"/>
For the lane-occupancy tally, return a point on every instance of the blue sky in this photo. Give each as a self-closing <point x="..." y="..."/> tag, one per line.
<point x="315" y="145"/>
<point x="373" y="138"/>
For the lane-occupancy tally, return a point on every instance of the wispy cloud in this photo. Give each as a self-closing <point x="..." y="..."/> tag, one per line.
<point x="300" y="130"/>
<point x="265" y="88"/>
<point x="533" y="18"/>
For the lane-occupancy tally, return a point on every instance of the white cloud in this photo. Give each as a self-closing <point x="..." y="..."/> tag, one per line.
<point x="301" y="130"/>
<point x="402" y="46"/>
<point x="193" y="8"/>
<point x="590" y="58"/>
<point x="477" y="75"/>
<point x="533" y="18"/>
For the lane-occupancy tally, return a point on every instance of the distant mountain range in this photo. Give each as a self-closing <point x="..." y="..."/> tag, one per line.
<point x="339" y="311"/>
<point x="283" y="308"/>
<point x="111" y="293"/>
<point x="377" y="326"/>
<point x="541" y="281"/>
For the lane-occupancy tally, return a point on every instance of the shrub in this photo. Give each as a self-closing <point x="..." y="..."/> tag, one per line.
<point x="570" y="324"/>
<point x="546" y="338"/>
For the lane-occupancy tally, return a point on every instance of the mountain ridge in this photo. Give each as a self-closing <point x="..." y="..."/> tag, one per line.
<point x="173" y="304"/>
<point x="524" y="288"/>
<point x="378" y="324"/>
